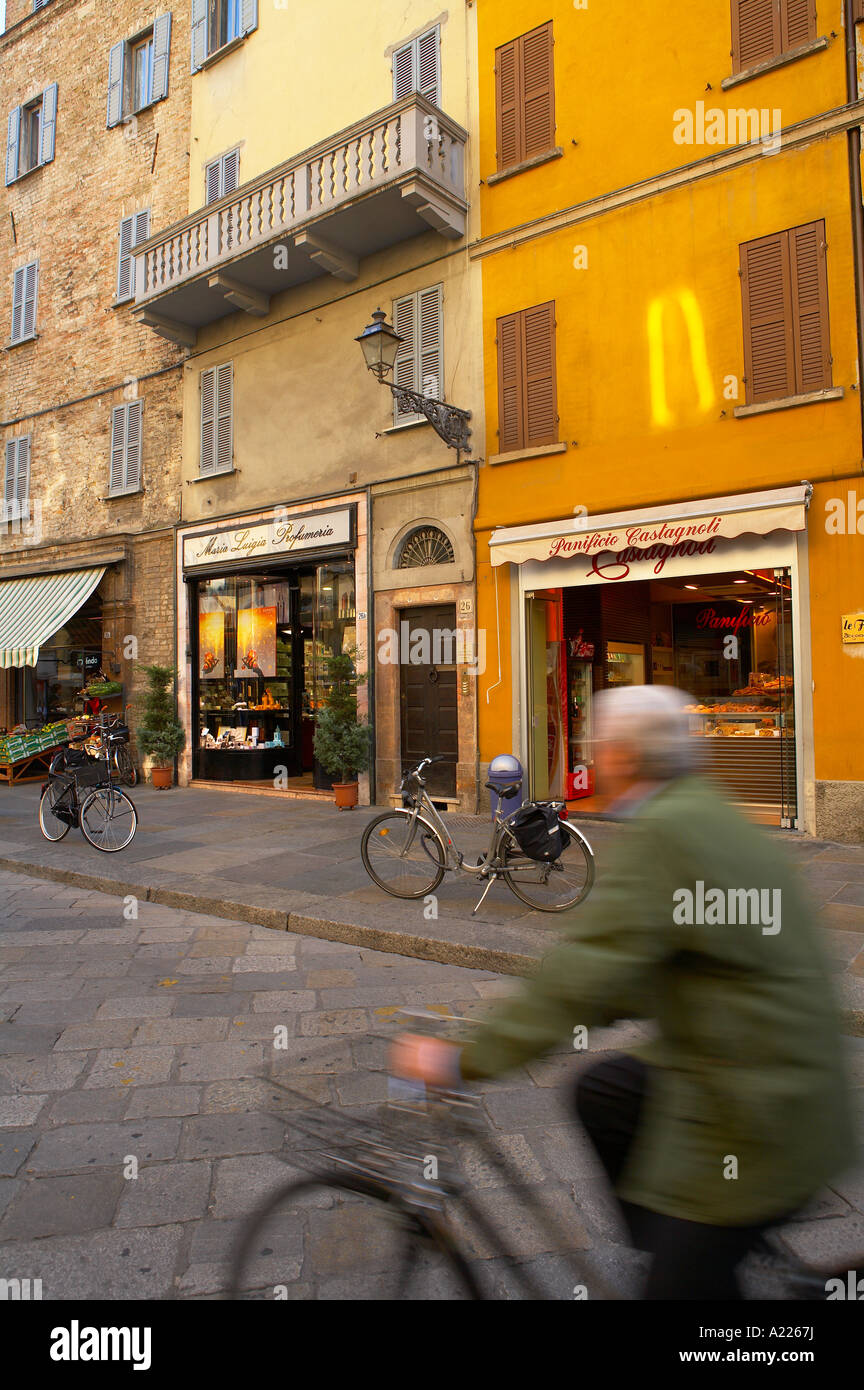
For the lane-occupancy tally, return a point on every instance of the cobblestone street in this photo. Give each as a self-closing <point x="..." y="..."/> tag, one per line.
<point x="147" y="1039"/>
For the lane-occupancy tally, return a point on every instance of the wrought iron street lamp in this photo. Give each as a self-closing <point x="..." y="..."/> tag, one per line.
<point x="380" y="343"/>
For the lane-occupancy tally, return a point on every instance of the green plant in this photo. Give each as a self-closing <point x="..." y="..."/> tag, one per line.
<point x="342" y="740"/>
<point x="159" y="735"/>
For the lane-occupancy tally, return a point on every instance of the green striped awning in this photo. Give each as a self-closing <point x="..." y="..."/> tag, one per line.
<point x="33" y="609"/>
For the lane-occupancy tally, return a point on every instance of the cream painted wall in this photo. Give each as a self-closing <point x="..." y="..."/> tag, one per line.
<point x="311" y="69"/>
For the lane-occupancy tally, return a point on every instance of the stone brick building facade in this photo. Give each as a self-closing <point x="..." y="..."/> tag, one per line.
<point x="97" y="102"/>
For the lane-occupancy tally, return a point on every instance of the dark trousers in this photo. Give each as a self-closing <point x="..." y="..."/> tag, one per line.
<point x="690" y="1260"/>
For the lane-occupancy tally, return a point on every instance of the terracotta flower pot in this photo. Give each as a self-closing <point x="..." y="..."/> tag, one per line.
<point x="346" y="795"/>
<point x="162" y="778"/>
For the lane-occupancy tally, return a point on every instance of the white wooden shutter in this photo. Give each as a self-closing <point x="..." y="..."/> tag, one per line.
<point x="48" y="124"/>
<point x="403" y="71"/>
<point x="10" y="477"/>
<point x="199" y="33"/>
<point x="12" y="141"/>
<point x="213" y="181"/>
<point x="132" y="475"/>
<point x="116" y="65"/>
<point x="118" y="449"/>
<point x="22" y="482"/>
<point x="207" y="462"/>
<point x="161" y="55"/>
<point x="224" y="417"/>
<point x="405" y="368"/>
<point x="17" y="302"/>
<point x="430" y="365"/>
<point x="248" y="16"/>
<point x="429" y="66"/>
<point x="230" y="172"/>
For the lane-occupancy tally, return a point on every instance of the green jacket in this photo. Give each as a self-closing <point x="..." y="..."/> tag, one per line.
<point x="748" y="1058"/>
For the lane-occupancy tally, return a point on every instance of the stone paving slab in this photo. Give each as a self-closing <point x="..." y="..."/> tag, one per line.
<point x="168" y="1069"/>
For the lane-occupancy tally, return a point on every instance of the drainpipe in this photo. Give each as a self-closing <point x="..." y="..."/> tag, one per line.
<point x="854" y="139"/>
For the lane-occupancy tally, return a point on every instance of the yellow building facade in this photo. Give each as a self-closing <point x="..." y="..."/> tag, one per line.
<point x="331" y="173"/>
<point x="670" y="248"/>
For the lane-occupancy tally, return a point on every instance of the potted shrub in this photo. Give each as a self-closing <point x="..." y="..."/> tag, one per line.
<point x="159" y="734"/>
<point x="342" y="739"/>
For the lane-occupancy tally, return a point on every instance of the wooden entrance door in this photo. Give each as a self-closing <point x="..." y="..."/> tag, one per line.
<point x="429" y="715"/>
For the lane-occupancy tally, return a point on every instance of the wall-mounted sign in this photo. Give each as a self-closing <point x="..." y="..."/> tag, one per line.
<point x="280" y="535"/>
<point x="853" y="627"/>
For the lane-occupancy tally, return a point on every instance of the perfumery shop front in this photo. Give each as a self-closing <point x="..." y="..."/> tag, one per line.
<point x="264" y="601"/>
<point x="707" y="596"/>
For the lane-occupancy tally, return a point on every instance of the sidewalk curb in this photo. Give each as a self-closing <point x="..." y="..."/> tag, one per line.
<point x="327" y="929"/>
<point x="352" y="934"/>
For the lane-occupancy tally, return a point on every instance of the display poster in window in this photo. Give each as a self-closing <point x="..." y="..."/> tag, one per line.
<point x="256" y="642"/>
<point x="211" y="646"/>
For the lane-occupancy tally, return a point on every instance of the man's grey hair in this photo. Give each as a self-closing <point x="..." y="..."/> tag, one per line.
<point x="653" y="719"/>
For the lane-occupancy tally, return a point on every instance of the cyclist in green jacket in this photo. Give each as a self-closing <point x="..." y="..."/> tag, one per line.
<point x="737" y="1113"/>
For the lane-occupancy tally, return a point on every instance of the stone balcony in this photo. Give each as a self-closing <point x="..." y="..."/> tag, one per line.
<point x="390" y="177"/>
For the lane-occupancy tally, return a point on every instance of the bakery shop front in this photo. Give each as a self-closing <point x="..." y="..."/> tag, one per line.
<point x="265" y="599"/>
<point x="708" y="596"/>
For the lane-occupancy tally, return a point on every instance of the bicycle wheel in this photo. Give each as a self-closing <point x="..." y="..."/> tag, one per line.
<point x="108" y="819"/>
<point x="127" y="772"/>
<point x="255" y="1260"/>
<point x="52" y="827"/>
<point x="405" y="858"/>
<point x="552" y="887"/>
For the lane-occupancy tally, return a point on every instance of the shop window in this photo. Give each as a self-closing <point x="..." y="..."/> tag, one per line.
<point x="31" y="134"/>
<point x="766" y="29"/>
<point x="527" y="385"/>
<point x="525" y="97"/>
<point x="417" y="67"/>
<point x="784" y="285"/>
<point x="425" y="545"/>
<point x="138" y="71"/>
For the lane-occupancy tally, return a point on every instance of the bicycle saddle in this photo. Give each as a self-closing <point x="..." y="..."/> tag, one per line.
<point x="504" y="792"/>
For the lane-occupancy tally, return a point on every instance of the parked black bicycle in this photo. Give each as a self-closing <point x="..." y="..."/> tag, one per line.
<point x="81" y="792"/>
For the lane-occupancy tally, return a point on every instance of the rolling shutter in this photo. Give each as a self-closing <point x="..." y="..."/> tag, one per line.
<point x="798" y="23"/>
<point x="809" y="277"/>
<point x="12" y="141"/>
<point x="161" y="56"/>
<point x="48" y="124"/>
<point x="541" y="407"/>
<point x="508" y="109"/>
<point x="538" y="121"/>
<point x="198" y="33"/>
<point x="756" y="32"/>
<point x="116" y="64"/>
<point x="769" y="349"/>
<point x="510" y="414"/>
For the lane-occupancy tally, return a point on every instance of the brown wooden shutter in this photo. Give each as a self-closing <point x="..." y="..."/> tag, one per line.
<point x="541" y="404"/>
<point x="510" y="412"/>
<point x="507" y="105"/>
<point x="857" y="11"/>
<point x="538" y="92"/>
<point x="809" y="277"/>
<point x="769" y="351"/>
<point x="756" y="32"/>
<point x="798" y="23"/>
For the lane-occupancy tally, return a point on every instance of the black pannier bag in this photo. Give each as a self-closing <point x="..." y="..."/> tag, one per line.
<point x="538" y="833"/>
<point x="87" y="771"/>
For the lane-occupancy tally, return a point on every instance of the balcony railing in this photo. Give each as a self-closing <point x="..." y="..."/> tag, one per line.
<point x="394" y="175"/>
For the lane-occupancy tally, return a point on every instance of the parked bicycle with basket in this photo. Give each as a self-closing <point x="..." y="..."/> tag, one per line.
<point x="542" y="858"/>
<point x="81" y="792"/>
